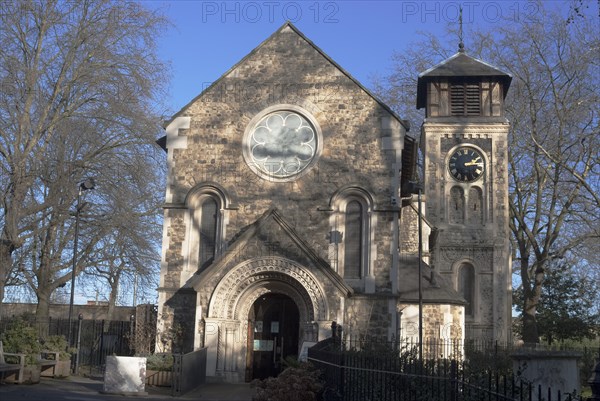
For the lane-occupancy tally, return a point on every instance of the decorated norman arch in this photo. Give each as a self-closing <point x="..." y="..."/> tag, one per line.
<point x="226" y="328"/>
<point x="235" y="291"/>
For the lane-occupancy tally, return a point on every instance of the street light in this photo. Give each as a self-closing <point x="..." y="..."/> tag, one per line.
<point x="83" y="186"/>
<point x="416" y="187"/>
<point x="419" y="188"/>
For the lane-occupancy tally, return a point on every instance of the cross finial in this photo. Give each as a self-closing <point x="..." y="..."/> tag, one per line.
<point x="461" y="45"/>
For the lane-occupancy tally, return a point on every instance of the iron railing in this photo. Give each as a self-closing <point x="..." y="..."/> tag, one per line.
<point x="392" y="372"/>
<point x="94" y="340"/>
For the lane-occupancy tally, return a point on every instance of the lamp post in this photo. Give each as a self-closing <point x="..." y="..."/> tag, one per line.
<point x="415" y="187"/>
<point x="76" y="367"/>
<point x="83" y="186"/>
<point x="419" y="188"/>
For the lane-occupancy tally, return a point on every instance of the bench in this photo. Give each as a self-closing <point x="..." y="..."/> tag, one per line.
<point x="48" y="360"/>
<point x="16" y="368"/>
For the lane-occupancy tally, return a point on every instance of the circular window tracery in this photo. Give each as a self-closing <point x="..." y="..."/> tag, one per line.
<point x="281" y="144"/>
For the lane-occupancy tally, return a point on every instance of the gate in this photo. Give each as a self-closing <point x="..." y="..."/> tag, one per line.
<point x="189" y="371"/>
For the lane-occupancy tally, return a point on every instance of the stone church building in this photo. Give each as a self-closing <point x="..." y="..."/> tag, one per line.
<point x="288" y="207"/>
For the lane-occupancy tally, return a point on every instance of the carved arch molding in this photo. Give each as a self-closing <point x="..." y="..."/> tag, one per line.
<point x="246" y="282"/>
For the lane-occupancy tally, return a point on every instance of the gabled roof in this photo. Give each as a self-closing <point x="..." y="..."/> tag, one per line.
<point x="459" y="65"/>
<point x="409" y="162"/>
<point x="239" y="242"/>
<point x="289" y="25"/>
<point x="435" y="288"/>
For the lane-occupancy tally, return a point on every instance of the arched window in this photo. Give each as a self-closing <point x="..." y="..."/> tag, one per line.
<point x="353" y="234"/>
<point x="456" y="209"/>
<point x="351" y="237"/>
<point x="475" y="211"/>
<point x="466" y="287"/>
<point x="205" y="222"/>
<point x="208" y="230"/>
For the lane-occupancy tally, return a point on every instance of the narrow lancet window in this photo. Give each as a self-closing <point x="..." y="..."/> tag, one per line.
<point x="466" y="287"/>
<point x="208" y="231"/>
<point x="475" y="206"/>
<point x="353" y="240"/>
<point x="456" y="211"/>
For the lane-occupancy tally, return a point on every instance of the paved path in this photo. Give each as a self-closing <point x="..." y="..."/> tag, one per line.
<point x="84" y="389"/>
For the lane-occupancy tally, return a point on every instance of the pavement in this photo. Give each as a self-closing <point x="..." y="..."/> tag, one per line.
<point x="77" y="388"/>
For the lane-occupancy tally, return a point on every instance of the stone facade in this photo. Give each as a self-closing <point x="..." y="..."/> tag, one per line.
<point x="323" y="225"/>
<point x="470" y="213"/>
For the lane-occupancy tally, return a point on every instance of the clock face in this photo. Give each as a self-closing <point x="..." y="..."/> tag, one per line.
<point x="466" y="164"/>
<point x="281" y="144"/>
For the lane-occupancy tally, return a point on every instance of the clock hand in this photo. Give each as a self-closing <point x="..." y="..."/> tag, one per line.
<point x="474" y="163"/>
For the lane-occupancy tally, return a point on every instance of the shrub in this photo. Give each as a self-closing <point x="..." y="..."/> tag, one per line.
<point x="21" y="338"/>
<point x="58" y="343"/>
<point x="488" y="359"/>
<point x="161" y="362"/>
<point x="295" y="383"/>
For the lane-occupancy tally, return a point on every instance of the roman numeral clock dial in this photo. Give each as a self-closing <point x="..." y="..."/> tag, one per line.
<point x="466" y="164"/>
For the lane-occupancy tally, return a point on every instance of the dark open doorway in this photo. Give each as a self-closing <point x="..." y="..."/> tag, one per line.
<point x="273" y="326"/>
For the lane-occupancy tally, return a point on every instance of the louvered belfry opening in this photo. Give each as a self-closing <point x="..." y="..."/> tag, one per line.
<point x="465" y="98"/>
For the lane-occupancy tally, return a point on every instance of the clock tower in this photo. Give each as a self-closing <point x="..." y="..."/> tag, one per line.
<point x="464" y="143"/>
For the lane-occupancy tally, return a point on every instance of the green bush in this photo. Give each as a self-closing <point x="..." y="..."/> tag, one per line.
<point x="20" y="338"/>
<point x="491" y="359"/>
<point x="590" y="351"/>
<point x="58" y="343"/>
<point x="161" y="362"/>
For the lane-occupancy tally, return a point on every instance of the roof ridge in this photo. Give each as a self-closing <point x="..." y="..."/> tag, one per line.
<point x="462" y="54"/>
<point x="289" y="24"/>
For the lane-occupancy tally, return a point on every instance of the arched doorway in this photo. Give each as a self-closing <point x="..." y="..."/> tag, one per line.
<point x="229" y="333"/>
<point x="273" y="333"/>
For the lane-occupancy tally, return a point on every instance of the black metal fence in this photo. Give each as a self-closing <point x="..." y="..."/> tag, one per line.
<point x="394" y="373"/>
<point x="97" y="339"/>
<point x="94" y="339"/>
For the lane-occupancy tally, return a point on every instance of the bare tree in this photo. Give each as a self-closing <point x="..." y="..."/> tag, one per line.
<point x="128" y="253"/>
<point x="79" y="84"/>
<point x="554" y="107"/>
<point x="554" y="139"/>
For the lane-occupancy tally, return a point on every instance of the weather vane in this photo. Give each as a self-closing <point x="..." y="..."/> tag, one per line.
<point x="461" y="45"/>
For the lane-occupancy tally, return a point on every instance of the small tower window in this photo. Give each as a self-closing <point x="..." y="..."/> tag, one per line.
<point x="465" y="99"/>
<point x="456" y="212"/>
<point x="466" y="287"/>
<point x="475" y="212"/>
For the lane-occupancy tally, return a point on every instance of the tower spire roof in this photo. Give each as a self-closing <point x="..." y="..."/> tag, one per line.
<point x="460" y="65"/>
<point x="461" y="44"/>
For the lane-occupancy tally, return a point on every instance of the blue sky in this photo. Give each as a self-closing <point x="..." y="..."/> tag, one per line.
<point x="208" y="37"/>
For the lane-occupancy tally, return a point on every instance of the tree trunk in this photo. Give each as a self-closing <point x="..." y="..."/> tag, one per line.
<point x="530" y="329"/>
<point x="112" y="302"/>
<point x="112" y="297"/>
<point x="532" y="291"/>
<point x="42" y="312"/>
<point x="5" y="265"/>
